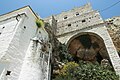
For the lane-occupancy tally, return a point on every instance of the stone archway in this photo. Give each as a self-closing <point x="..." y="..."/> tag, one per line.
<point x="101" y="33"/>
<point x="87" y="46"/>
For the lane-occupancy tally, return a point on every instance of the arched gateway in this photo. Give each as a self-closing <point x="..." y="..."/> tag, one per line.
<point x="94" y="40"/>
<point x="88" y="46"/>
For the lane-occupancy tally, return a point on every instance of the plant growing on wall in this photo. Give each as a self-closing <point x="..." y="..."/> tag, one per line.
<point x="39" y="23"/>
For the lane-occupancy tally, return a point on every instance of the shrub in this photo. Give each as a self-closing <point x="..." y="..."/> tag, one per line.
<point x="47" y="24"/>
<point x="69" y="68"/>
<point x="85" y="71"/>
<point x="63" y="53"/>
<point x="39" y="23"/>
<point x="82" y="70"/>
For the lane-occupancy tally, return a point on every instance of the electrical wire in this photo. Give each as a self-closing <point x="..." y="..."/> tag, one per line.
<point x="110" y="6"/>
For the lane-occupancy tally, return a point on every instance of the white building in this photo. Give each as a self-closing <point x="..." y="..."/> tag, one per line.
<point x="19" y="47"/>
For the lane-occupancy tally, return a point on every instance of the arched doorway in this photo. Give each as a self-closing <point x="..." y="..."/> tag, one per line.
<point x="87" y="46"/>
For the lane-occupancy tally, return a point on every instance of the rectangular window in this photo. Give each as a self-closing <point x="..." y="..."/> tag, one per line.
<point x="69" y="25"/>
<point x="65" y="17"/>
<point x="77" y="14"/>
<point x="83" y="21"/>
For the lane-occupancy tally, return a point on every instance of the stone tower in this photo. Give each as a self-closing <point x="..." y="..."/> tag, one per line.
<point x="84" y="31"/>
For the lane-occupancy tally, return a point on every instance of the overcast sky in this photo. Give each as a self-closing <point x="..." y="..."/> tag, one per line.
<point x="49" y="7"/>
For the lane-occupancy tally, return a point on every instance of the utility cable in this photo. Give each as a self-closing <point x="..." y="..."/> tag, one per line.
<point x="110" y="6"/>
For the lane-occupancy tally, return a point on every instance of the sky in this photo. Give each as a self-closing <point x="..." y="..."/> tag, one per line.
<point x="46" y="8"/>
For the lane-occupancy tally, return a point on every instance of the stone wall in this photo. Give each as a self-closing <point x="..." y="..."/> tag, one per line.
<point x="77" y="18"/>
<point x="113" y="26"/>
<point x="78" y="22"/>
<point x="73" y="12"/>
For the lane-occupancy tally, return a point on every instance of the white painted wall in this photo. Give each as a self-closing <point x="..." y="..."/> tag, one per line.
<point x="7" y="29"/>
<point x="19" y="41"/>
<point x="36" y="62"/>
<point x="17" y="47"/>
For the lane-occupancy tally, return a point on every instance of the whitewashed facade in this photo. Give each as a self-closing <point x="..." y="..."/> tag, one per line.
<point x="21" y="56"/>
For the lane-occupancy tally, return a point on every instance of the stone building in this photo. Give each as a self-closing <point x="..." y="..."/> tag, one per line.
<point x="22" y="43"/>
<point x="84" y="31"/>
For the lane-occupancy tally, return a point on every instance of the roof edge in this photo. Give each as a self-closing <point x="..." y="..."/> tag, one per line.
<point x="27" y="6"/>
